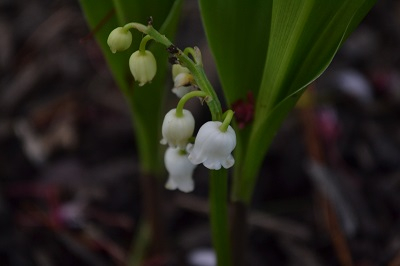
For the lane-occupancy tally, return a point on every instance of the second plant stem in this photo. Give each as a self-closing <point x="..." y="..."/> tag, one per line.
<point x="218" y="195"/>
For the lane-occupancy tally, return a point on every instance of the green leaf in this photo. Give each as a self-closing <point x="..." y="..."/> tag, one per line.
<point x="145" y="102"/>
<point x="294" y="45"/>
<point x="305" y="35"/>
<point x="238" y="33"/>
<point x="219" y="216"/>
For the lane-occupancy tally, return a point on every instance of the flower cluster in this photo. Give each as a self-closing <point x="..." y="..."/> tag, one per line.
<point x="215" y="140"/>
<point x="142" y="63"/>
<point x="212" y="146"/>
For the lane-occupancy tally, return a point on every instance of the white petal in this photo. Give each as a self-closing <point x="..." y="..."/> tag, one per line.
<point x="176" y="131"/>
<point x="212" y="164"/>
<point x="182" y="90"/>
<point x="183" y="79"/>
<point x="180" y="170"/>
<point x="171" y="185"/>
<point x="184" y="183"/>
<point x="178" y="69"/>
<point x="196" y="157"/>
<point x="229" y="162"/>
<point x="213" y="147"/>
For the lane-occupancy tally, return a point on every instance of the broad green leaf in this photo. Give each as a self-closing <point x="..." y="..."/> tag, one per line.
<point x="305" y="35"/>
<point x="145" y="102"/>
<point x="238" y="33"/>
<point x="295" y="45"/>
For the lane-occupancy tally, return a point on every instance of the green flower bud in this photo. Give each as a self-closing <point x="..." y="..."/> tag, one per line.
<point x="119" y="40"/>
<point x="178" y="69"/>
<point x="143" y="66"/>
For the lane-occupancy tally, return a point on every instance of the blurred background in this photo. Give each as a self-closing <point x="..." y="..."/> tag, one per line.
<point x="328" y="193"/>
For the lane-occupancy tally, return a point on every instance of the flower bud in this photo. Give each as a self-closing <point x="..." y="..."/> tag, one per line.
<point x="213" y="147"/>
<point x="143" y="66"/>
<point x="178" y="69"/>
<point x="183" y="80"/>
<point x="176" y="131"/>
<point x="119" y="40"/>
<point x="183" y="84"/>
<point x="181" y="91"/>
<point x="180" y="170"/>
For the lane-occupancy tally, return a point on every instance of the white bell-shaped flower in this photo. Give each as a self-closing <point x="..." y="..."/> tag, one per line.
<point x="143" y="66"/>
<point x="213" y="147"/>
<point x="183" y="84"/>
<point x="180" y="170"/>
<point x="119" y="39"/>
<point x="176" y="130"/>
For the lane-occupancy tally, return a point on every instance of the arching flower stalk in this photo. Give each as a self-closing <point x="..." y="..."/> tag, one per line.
<point x="215" y="140"/>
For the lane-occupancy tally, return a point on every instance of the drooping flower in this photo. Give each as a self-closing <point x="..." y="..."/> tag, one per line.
<point x="143" y="66"/>
<point x="183" y="84"/>
<point x="213" y="147"/>
<point x="119" y="40"/>
<point x="183" y="80"/>
<point x="176" y="130"/>
<point x="180" y="170"/>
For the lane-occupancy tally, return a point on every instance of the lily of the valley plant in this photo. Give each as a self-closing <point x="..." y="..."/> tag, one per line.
<point x="266" y="51"/>
<point x="215" y="140"/>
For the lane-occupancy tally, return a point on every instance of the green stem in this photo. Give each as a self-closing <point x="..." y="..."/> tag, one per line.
<point x="195" y="53"/>
<point x="138" y="26"/>
<point x="228" y="115"/>
<point x="189" y="51"/>
<point x="219" y="216"/>
<point x="185" y="98"/>
<point x="143" y="43"/>
<point x="196" y="69"/>
<point x="204" y="84"/>
<point x="218" y="181"/>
